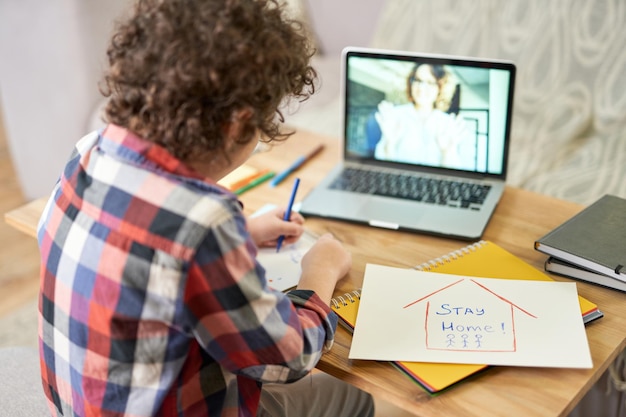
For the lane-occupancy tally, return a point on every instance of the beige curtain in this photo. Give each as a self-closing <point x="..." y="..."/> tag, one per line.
<point x="569" y="129"/>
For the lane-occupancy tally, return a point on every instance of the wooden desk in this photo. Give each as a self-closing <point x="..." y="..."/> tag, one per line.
<point x="520" y="218"/>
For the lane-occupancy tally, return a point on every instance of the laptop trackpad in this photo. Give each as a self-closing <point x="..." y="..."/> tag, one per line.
<point x="382" y="214"/>
<point x="335" y="204"/>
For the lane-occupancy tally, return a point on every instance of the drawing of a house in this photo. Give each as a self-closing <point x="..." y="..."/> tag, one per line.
<point x="468" y="316"/>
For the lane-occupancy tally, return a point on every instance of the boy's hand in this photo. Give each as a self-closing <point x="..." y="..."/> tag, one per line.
<point x="268" y="227"/>
<point x="329" y="257"/>
<point x="324" y="265"/>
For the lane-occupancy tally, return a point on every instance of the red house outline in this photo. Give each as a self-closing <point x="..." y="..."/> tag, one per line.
<point x="511" y="304"/>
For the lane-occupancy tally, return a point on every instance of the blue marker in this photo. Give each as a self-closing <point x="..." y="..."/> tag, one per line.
<point x="295" y="166"/>
<point x="287" y="215"/>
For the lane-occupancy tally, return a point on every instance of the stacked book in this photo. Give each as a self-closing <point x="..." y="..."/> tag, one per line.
<point x="591" y="246"/>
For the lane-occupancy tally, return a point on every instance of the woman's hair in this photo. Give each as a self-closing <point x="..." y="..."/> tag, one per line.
<point x="181" y="69"/>
<point x="448" y="90"/>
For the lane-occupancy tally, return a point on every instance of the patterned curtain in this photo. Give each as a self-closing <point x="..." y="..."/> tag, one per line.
<point x="569" y="127"/>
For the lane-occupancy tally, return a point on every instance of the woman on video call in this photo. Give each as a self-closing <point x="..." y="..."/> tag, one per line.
<point x="426" y="130"/>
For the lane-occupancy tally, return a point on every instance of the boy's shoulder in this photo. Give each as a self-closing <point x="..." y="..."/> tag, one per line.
<point x="148" y="203"/>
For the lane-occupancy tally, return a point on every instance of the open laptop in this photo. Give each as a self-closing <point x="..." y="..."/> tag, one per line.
<point x="426" y="141"/>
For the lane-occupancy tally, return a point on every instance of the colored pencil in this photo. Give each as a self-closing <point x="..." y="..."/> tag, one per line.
<point x="296" y="165"/>
<point x="287" y="215"/>
<point x="254" y="183"/>
<point x="245" y="181"/>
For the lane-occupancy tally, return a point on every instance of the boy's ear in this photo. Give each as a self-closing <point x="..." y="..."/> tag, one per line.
<point x="233" y="128"/>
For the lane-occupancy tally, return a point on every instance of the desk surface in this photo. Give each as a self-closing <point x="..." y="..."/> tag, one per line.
<point x="519" y="220"/>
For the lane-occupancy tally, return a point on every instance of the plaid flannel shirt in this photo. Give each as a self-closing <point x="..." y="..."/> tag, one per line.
<point x="152" y="302"/>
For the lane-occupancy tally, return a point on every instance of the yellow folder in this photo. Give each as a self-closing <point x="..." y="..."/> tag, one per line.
<point x="483" y="259"/>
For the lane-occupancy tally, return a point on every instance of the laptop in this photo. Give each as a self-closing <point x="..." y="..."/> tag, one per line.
<point x="425" y="143"/>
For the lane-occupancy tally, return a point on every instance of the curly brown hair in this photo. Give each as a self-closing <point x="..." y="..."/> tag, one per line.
<point x="181" y="69"/>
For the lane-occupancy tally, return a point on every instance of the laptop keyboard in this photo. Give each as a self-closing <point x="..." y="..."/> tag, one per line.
<point x="413" y="187"/>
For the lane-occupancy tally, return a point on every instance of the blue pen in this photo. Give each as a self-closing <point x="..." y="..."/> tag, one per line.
<point x="297" y="164"/>
<point x="287" y="215"/>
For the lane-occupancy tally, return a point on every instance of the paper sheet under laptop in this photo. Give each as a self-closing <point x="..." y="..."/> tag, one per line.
<point x="445" y="118"/>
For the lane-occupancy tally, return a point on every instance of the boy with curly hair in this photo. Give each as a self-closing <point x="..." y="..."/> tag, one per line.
<point x="152" y="302"/>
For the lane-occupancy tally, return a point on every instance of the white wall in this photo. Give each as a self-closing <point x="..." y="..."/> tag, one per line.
<point x="341" y="23"/>
<point x="52" y="58"/>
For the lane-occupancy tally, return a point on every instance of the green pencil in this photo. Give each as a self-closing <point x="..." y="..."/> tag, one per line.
<point x="254" y="183"/>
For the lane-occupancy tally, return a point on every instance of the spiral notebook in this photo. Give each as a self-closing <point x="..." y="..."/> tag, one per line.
<point x="482" y="259"/>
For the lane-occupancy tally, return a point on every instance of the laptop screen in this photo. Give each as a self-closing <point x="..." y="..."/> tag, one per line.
<point x="428" y="111"/>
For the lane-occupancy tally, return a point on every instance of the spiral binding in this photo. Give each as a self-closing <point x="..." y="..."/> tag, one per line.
<point x="346" y="298"/>
<point x="459" y="253"/>
<point x="349" y="297"/>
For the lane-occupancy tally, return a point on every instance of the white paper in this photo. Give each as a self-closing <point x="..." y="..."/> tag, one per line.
<point x="417" y="316"/>
<point x="282" y="269"/>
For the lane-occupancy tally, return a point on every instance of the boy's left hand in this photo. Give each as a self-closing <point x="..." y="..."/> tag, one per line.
<point x="268" y="227"/>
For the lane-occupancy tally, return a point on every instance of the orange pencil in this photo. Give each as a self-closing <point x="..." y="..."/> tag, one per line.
<point x="244" y="181"/>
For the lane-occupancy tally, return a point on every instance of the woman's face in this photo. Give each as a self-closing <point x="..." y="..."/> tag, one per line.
<point x="424" y="87"/>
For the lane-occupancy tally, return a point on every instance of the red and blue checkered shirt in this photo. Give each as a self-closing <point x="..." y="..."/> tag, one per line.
<point x="152" y="302"/>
